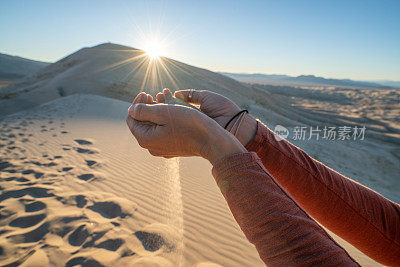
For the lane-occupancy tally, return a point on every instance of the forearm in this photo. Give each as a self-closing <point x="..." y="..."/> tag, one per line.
<point x="282" y="231"/>
<point x="361" y="216"/>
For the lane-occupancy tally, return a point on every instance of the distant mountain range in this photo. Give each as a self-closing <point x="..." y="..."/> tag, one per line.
<point x="14" y="67"/>
<point x="395" y="84"/>
<point x="308" y="80"/>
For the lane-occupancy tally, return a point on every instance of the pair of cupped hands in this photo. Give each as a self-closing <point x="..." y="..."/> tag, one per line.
<point x="170" y="130"/>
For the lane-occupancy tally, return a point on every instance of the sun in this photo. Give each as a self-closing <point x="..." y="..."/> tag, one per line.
<point x="154" y="49"/>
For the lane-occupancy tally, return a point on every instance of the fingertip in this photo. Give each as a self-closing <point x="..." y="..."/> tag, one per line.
<point x="149" y="99"/>
<point x="167" y="93"/>
<point x="138" y="96"/>
<point x="143" y="98"/>
<point x="160" y="97"/>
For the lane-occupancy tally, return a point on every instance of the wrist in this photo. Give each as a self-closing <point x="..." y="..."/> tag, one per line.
<point x="221" y="144"/>
<point x="247" y="130"/>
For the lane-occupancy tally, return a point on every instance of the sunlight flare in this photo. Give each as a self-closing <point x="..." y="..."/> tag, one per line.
<point x="154" y="48"/>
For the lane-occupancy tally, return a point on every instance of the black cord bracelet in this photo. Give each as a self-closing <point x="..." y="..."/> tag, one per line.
<point x="240" y="112"/>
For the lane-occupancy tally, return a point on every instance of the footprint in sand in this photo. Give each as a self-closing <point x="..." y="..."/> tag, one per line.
<point x="111" y="244"/>
<point x="35" y="173"/>
<point x="32" y="236"/>
<point x="10" y="170"/>
<point x="36" y="192"/>
<point x="85" y="151"/>
<point x="89" y="177"/>
<point x="150" y="241"/>
<point x="78" y="236"/>
<point x="27" y="221"/>
<point x="42" y="164"/>
<point x="83" y="261"/>
<point x="81" y="236"/>
<point x="83" y="142"/>
<point x="81" y="201"/>
<point x="67" y="169"/>
<point x="90" y="163"/>
<point x="20" y="179"/>
<point x="66" y="147"/>
<point x="34" y="206"/>
<point x="108" y="209"/>
<point x="5" y="165"/>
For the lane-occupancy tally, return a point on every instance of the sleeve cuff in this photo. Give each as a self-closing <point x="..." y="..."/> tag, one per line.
<point x="258" y="139"/>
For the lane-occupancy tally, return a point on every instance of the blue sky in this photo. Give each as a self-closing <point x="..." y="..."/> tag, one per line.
<point x="340" y="39"/>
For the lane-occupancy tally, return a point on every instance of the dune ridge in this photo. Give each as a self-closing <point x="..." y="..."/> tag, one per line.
<point x="114" y="71"/>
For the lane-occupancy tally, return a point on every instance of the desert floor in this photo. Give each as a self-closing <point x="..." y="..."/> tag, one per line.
<point x="77" y="189"/>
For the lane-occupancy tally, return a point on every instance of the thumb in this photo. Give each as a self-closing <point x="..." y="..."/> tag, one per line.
<point x="198" y="97"/>
<point x="152" y="113"/>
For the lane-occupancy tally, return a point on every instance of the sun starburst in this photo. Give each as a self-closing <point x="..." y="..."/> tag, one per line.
<point x="154" y="48"/>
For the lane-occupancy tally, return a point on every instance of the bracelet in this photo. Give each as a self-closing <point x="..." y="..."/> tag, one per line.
<point x="231" y="129"/>
<point x="234" y="117"/>
<point x="239" y="123"/>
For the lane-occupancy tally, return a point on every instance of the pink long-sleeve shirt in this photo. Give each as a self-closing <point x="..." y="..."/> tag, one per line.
<point x="274" y="189"/>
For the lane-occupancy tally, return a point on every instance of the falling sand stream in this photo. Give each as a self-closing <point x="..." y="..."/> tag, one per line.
<point x="174" y="208"/>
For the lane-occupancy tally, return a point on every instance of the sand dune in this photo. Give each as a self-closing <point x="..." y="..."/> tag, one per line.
<point x="114" y="71"/>
<point x="13" y="67"/>
<point x="77" y="189"/>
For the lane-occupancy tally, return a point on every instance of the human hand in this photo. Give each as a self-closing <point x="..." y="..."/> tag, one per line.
<point x="173" y="130"/>
<point x="217" y="107"/>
